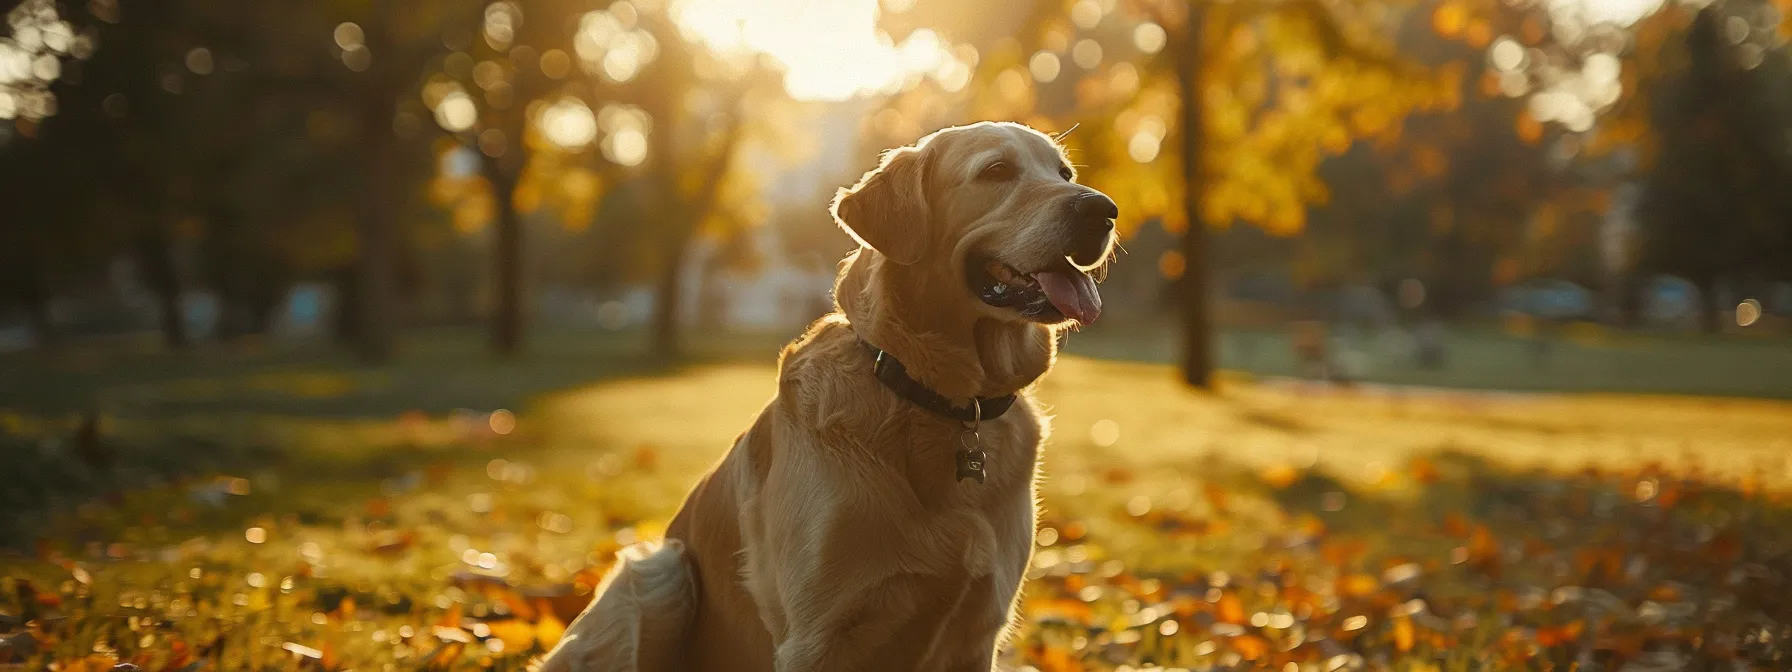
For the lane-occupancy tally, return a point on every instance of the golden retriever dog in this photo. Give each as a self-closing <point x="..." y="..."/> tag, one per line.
<point x="879" y="514"/>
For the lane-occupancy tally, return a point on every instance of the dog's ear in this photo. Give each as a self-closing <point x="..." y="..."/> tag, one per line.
<point x="887" y="210"/>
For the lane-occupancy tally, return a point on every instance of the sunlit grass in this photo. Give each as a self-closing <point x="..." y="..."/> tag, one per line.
<point x="1267" y="525"/>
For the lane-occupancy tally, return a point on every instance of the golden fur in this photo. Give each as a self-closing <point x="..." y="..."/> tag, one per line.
<point x="833" y="535"/>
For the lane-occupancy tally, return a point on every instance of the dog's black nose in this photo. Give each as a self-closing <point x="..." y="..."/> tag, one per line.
<point x="1095" y="205"/>
<point x="1091" y="227"/>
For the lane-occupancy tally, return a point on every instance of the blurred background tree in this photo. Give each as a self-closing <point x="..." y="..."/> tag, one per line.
<point x="1280" y="85"/>
<point x="1716" y="204"/>
<point x="475" y="160"/>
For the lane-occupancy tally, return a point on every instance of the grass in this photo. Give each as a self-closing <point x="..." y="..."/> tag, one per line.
<point x="1579" y="358"/>
<point x="363" y="523"/>
<point x="436" y="370"/>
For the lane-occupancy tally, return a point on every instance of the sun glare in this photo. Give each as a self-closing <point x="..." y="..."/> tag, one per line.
<point x="830" y="49"/>
<point x="1616" y="12"/>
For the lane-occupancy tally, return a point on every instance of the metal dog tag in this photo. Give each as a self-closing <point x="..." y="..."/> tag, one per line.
<point x="970" y="456"/>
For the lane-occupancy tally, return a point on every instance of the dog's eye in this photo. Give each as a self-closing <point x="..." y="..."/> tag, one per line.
<point x="1065" y="171"/>
<point x="999" y="171"/>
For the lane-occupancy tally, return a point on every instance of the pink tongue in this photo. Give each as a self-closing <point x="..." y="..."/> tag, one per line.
<point x="1072" y="292"/>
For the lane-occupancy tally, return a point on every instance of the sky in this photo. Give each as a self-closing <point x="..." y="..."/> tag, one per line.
<point x="831" y="49"/>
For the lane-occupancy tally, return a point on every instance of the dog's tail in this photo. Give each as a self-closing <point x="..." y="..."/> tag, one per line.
<point x="638" y="621"/>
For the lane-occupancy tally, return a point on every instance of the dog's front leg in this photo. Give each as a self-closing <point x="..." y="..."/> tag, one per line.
<point x="845" y="581"/>
<point x="891" y="625"/>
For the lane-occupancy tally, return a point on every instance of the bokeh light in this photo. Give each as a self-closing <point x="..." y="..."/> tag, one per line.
<point x="625" y="129"/>
<point x="32" y="59"/>
<point x="1086" y="14"/>
<point x="1577" y="75"/>
<point x="501" y="22"/>
<point x="357" y="58"/>
<point x="502" y="422"/>
<point x="1044" y="66"/>
<point x="1086" y="54"/>
<point x="1147" y="139"/>
<point x="610" y="43"/>
<point x="1149" y="37"/>
<point x="349" y="35"/>
<point x="1104" y="433"/>
<point x="555" y="64"/>
<point x="569" y="124"/>
<point x="493" y="143"/>
<point x="199" y="61"/>
<point x="1748" y="312"/>
<point x="457" y="112"/>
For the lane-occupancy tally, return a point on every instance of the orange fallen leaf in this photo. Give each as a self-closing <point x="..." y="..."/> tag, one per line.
<point x="647" y="457"/>
<point x="180" y="655"/>
<point x="1074" y="583"/>
<point x="1280" y="476"/>
<point x="1184" y="606"/>
<point x="1058" y="659"/>
<point x="1231" y="609"/>
<point x="1403" y="633"/>
<point x="452" y="618"/>
<point x="549" y="629"/>
<point x="444" y="657"/>
<point x="1074" y="530"/>
<point x="519" y="608"/>
<point x="1215" y="496"/>
<point x="1358" y="585"/>
<point x="517" y="634"/>
<point x="1424" y="471"/>
<point x="1561" y="634"/>
<point x="1250" y="647"/>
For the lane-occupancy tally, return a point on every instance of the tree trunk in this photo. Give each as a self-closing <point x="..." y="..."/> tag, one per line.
<point x="163" y="278"/>
<point x="375" y="243"/>
<point x="346" y="323"/>
<point x="683" y="219"/>
<point x="1630" y="299"/>
<point x="1710" y="313"/>
<point x="258" y="303"/>
<point x="507" y="250"/>
<point x="1197" y="317"/>
<point x="261" y="310"/>
<point x="666" y="334"/>
<point x="35" y="295"/>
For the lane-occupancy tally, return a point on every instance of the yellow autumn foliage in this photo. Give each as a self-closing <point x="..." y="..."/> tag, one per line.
<point x="1285" y="86"/>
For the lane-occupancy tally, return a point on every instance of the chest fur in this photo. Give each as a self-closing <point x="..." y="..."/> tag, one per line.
<point x="933" y="456"/>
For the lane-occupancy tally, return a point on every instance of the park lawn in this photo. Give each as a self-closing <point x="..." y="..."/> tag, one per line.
<point x="1271" y="524"/>
<point x="1579" y="357"/>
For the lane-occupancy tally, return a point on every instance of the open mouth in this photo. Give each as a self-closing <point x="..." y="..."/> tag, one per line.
<point x="1052" y="294"/>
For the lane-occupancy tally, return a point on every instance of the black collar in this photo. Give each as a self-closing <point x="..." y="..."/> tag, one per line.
<point x="894" y="376"/>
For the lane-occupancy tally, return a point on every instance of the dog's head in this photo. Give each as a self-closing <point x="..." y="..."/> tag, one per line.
<point x="996" y="208"/>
